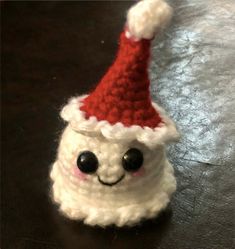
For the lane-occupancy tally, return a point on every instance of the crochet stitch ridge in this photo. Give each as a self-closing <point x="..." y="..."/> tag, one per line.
<point x="123" y="93"/>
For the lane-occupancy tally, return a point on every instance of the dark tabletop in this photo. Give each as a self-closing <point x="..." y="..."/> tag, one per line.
<point x="54" y="50"/>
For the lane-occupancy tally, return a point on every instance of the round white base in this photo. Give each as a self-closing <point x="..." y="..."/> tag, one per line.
<point x="108" y="209"/>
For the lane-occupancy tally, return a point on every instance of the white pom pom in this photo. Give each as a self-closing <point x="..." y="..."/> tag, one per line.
<point x="147" y="17"/>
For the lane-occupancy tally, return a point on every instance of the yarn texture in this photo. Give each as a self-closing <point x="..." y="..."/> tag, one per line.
<point x="148" y="17"/>
<point x="123" y="93"/>
<point x="126" y="203"/>
<point x="111" y="166"/>
<point x="165" y="131"/>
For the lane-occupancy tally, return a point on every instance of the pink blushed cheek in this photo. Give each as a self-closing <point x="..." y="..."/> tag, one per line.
<point x="78" y="173"/>
<point x="140" y="172"/>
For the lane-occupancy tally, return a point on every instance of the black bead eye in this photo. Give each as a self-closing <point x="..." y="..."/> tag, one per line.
<point x="87" y="162"/>
<point x="132" y="160"/>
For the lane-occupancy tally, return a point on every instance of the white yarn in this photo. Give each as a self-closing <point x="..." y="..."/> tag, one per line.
<point x="125" y="203"/>
<point x="166" y="132"/>
<point x="146" y="17"/>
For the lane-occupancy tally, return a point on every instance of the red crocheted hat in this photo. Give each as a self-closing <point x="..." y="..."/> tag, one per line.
<point x="120" y="107"/>
<point x="123" y="93"/>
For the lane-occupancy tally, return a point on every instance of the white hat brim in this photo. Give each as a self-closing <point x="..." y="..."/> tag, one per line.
<point x="164" y="133"/>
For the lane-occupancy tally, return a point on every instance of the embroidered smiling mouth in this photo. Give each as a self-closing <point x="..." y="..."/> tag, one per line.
<point x="110" y="183"/>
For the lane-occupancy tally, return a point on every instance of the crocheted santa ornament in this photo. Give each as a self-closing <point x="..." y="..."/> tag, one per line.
<point x="111" y="166"/>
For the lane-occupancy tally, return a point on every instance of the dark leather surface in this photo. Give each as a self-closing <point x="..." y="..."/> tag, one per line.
<point x="54" y="50"/>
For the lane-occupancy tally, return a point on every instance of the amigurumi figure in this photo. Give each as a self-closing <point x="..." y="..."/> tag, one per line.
<point x="111" y="166"/>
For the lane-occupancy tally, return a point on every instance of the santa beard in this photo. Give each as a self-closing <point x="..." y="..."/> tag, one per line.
<point x="135" y="197"/>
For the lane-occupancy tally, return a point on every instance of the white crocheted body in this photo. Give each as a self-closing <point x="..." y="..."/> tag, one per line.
<point x="140" y="195"/>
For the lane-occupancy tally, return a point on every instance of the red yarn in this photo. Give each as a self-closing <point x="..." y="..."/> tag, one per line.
<point x="123" y="93"/>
